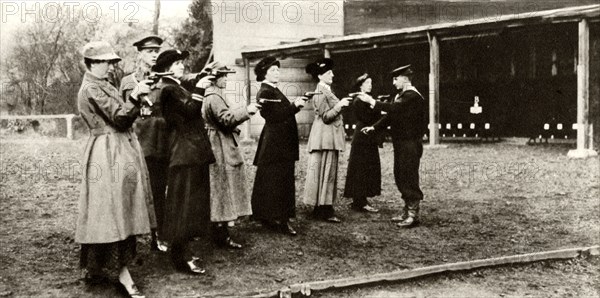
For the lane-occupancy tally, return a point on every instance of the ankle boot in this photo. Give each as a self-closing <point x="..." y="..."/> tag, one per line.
<point x="223" y="239"/>
<point x="403" y="216"/>
<point x="412" y="218"/>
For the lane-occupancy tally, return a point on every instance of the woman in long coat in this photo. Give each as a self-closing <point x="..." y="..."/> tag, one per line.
<point x="326" y="140"/>
<point x="274" y="192"/>
<point x="229" y="193"/>
<point x="188" y="196"/>
<point x="363" y="178"/>
<point x="115" y="186"/>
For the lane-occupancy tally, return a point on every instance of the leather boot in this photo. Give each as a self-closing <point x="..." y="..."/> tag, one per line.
<point x="403" y="216"/>
<point x="223" y="239"/>
<point x="412" y="218"/>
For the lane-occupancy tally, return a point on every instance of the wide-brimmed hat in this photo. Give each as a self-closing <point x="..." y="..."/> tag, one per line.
<point x="217" y="68"/>
<point x="260" y="70"/>
<point x="167" y="58"/>
<point x="405" y="70"/>
<point x="319" y="67"/>
<point x="148" y="42"/>
<point x="99" y="50"/>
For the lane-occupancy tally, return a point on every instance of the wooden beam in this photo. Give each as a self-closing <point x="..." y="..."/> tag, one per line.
<point x="402" y="275"/>
<point x="583" y="85"/>
<point x="247" y="136"/>
<point x="434" y="90"/>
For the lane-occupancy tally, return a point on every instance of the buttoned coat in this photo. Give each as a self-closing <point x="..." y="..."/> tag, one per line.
<point x="115" y="189"/>
<point x="188" y="141"/>
<point x="278" y="140"/>
<point x="151" y="130"/>
<point x="327" y="131"/>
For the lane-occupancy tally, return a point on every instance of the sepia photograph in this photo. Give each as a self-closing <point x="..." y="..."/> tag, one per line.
<point x="296" y="148"/>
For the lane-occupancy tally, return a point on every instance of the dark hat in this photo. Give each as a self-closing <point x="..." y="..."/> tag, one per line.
<point x="167" y="58"/>
<point x="100" y="50"/>
<point x="260" y="70"/>
<point x="148" y="42"/>
<point x="319" y="67"/>
<point x="402" y="71"/>
<point x="360" y="80"/>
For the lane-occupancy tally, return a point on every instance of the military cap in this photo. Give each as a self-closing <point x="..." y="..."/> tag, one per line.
<point x="167" y="58"/>
<point x="260" y="70"/>
<point x="360" y="80"/>
<point x="319" y="67"/>
<point x="100" y="50"/>
<point x="402" y="71"/>
<point x="148" y="42"/>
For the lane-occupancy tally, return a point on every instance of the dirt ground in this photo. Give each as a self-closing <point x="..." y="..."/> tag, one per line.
<point x="481" y="201"/>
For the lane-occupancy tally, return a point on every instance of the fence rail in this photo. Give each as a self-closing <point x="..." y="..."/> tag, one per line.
<point x="68" y="118"/>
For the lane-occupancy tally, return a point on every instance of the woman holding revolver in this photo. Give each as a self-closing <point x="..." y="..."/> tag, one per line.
<point x="363" y="178"/>
<point x="188" y="197"/>
<point x="115" y="186"/>
<point x="229" y="193"/>
<point x="274" y="193"/>
<point x="326" y="140"/>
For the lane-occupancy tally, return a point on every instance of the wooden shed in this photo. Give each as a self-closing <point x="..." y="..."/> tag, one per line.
<point x="529" y="70"/>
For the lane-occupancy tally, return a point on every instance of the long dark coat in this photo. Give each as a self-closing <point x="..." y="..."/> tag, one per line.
<point x="363" y="178"/>
<point x="274" y="194"/>
<point x="187" y="211"/>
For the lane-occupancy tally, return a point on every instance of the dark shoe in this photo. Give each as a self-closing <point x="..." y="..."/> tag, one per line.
<point x="333" y="219"/>
<point x="369" y="209"/>
<point x="193" y="268"/>
<point x="401" y="217"/>
<point x="162" y="246"/>
<point x="229" y="243"/>
<point x="412" y="219"/>
<point x="409" y="222"/>
<point x="286" y="228"/>
<point x="96" y="279"/>
<point x="134" y="292"/>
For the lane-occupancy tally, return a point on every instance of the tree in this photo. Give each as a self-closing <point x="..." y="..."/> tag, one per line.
<point x="40" y="63"/>
<point x="195" y="34"/>
<point x="43" y="66"/>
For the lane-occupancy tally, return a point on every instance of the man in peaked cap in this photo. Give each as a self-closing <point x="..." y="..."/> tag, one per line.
<point x="408" y="122"/>
<point x="150" y="129"/>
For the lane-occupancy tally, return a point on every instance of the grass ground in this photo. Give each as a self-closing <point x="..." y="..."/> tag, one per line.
<point x="481" y="201"/>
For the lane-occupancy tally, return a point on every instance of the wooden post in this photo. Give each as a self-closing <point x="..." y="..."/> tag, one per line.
<point x="69" y="120"/>
<point x="583" y="74"/>
<point x="434" y="91"/>
<point x="248" y="134"/>
<point x="583" y="93"/>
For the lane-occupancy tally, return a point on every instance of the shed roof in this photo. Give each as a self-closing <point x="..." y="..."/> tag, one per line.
<point x="421" y="34"/>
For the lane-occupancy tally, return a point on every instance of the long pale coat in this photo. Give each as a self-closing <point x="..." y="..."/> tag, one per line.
<point x="229" y="196"/>
<point x="326" y="140"/>
<point x="115" y="187"/>
<point x="327" y="131"/>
